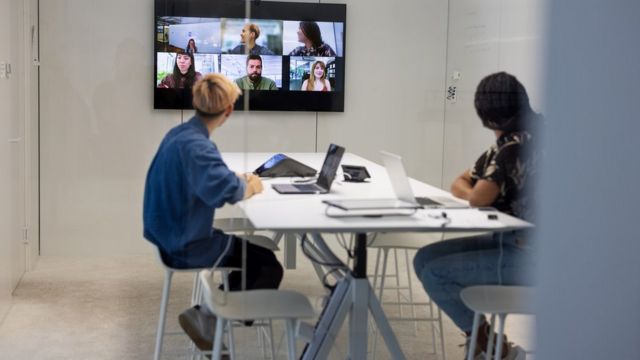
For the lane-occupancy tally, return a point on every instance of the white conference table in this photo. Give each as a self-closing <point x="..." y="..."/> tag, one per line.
<point x="305" y="215"/>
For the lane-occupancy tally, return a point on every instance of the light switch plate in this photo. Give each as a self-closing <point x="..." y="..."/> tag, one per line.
<point x="3" y="70"/>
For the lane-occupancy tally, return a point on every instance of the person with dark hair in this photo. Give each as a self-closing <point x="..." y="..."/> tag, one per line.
<point x="186" y="182"/>
<point x="191" y="47"/>
<point x="309" y="35"/>
<point x="317" y="78"/>
<point x="250" y="33"/>
<point x="184" y="73"/>
<point x="254" y="80"/>
<point x="501" y="178"/>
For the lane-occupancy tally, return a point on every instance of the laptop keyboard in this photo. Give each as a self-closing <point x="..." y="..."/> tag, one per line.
<point x="307" y="187"/>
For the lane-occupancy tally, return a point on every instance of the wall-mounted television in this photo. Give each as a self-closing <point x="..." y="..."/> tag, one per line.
<point x="286" y="56"/>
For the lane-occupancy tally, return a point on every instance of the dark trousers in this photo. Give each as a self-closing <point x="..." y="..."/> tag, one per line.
<point x="263" y="268"/>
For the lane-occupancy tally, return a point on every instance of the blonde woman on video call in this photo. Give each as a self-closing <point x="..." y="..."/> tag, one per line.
<point x="317" y="79"/>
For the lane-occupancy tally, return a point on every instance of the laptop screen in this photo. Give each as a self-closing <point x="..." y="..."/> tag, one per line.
<point x="330" y="166"/>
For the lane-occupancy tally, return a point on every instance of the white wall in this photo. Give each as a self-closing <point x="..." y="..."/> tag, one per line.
<point x="487" y="36"/>
<point x="589" y="247"/>
<point x="99" y="131"/>
<point x="9" y="153"/>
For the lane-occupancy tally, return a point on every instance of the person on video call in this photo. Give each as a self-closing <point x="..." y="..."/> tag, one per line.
<point x="184" y="73"/>
<point x="191" y="47"/>
<point x="317" y="78"/>
<point x="248" y="37"/>
<point x="186" y="182"/>
<point x="502" y="178"/>
<point x="254" y="80"/>
<point x="309" y="35"/>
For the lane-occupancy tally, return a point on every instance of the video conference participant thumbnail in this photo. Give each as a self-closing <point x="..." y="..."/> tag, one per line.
<point x="183" y="74"/>
<point x="253" y="72"/>
<point x="312" y="73"/>
<point x="248" y="36"/>
<point x="181" y="70"/>
<point x="316" y="41"/>
<point x="188" y="34"/>
<point x="259" y="37"/>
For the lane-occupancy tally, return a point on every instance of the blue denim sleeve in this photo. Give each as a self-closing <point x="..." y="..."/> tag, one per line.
<point x="210" y="178"/>
<point x="240" y="192"/>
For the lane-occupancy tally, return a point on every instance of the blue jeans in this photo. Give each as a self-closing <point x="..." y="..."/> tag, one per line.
<point x="447" y="267"/>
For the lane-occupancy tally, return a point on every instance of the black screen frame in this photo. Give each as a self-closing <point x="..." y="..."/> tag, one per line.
<point x="260" y="100"/>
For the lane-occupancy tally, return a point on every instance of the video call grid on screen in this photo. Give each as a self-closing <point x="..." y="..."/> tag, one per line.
<point x="215" y="29"/>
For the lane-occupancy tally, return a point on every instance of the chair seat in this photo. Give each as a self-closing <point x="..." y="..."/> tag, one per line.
<point x="413" y="241"/>
<point x="260" y="304"/>
<point x="262" y="241"/>
<point x="498" y="299"/>
<point x="233" y="224"/>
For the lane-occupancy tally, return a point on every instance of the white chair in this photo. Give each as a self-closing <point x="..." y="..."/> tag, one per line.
<point x="257" y="305"/>
<point x="495" y="300"/>
<point x="166" y="289"/>
<point x="405" y="243"/>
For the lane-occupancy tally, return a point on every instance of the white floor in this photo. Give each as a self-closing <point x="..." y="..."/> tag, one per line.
<point x="107" y="308"/>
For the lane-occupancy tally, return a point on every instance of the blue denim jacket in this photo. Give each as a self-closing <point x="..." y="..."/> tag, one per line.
<point x="186" y="182"/>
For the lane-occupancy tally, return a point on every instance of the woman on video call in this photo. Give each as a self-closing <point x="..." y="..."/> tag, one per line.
<point x="184" y="73"/>
<point x="191" y="47"/>
<point x="317" y="79"/>
<point x="309" y="35"/>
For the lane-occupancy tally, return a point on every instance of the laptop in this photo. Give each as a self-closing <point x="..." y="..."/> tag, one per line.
<point x="325" y="179"/>
<point x="402" y="187"/>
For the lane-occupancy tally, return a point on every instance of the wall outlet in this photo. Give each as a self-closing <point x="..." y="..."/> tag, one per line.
<point x="452" y="94"/>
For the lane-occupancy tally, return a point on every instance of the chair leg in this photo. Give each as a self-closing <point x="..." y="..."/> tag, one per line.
<point x="291" y="339"/>
<point x="397" y="276"/>
<point x="492" y="333"/>
<point x="503" y="318"/>
<point x="196" y="293"/>
<point x="441" y="331"/>
<point x="217" y="340"/>
<point x="232" y="343"/>
<point x="375" y="272"/>
<point x="168" y="274"/>
<point x="410" y="288"/>
<point x="474" y="336"/>
<point x="271" y="341"/>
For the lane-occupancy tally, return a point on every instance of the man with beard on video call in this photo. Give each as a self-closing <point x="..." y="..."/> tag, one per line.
<point x="254" y="80"/>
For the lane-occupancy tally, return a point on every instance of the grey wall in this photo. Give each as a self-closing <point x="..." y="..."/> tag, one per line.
<point x="99" y="131"/>
<point x="487" y="36"/>
<point x="589" y="289"/>
<point x="10" y="152"/>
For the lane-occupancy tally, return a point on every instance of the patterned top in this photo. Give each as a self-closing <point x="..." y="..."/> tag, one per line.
<point x="322" y="50"/>
<point x="510" y="163"/>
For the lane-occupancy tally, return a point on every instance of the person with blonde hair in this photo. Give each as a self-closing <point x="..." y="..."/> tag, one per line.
<point x="248" y="36"/>
<point x="186" y="182"/>
<point x="317" y="78"/>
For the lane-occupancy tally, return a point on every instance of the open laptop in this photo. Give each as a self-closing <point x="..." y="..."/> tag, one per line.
<point x="325" y="178"/>
<point x="402" y="187"/>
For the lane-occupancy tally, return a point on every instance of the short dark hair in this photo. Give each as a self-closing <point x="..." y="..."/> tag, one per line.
<point x="502" y="103"/>
<point x="254" y="57"/>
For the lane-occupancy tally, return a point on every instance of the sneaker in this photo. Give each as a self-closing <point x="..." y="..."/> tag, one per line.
<point x="199" y="326"/>
<point x="514" y="352"/>
<point x="478" y="353"/>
